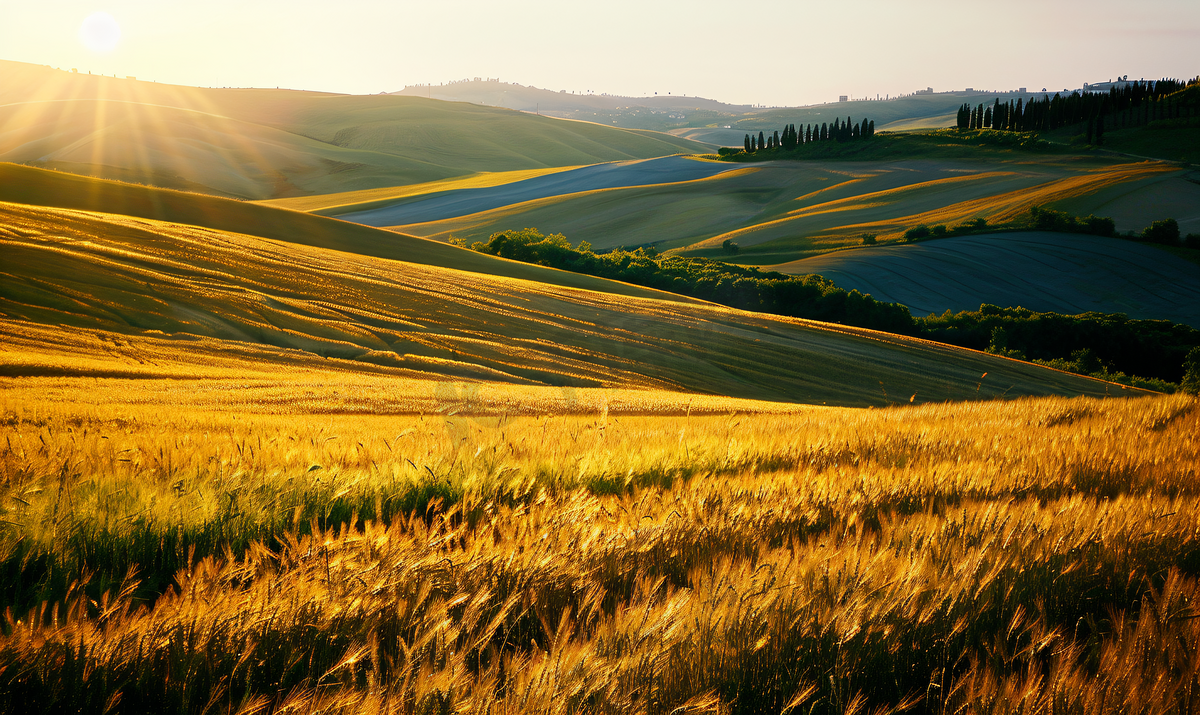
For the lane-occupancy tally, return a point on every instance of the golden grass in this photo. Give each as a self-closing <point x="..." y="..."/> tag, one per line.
<point x="97" y="294"/>
<point x="1023" y="556"/>
<point x="347" y="201"/>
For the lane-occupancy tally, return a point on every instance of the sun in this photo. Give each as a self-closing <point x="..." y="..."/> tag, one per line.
<point x="100" y="32"/>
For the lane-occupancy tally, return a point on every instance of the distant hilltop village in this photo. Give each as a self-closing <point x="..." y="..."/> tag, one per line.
<point x="929" y="91"/>
<point x="1118" y="83"/>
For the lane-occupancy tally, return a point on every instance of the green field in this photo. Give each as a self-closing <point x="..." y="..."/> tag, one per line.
<point x="260" y="144"/>
<point x="784" y="210"/>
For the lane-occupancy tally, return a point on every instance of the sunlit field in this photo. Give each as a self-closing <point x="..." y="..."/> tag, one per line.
<point x="255" y="460"/>
<point x="1037" y="555"/>
<point x="780" y="211"/>
<point x="272" y="143"/>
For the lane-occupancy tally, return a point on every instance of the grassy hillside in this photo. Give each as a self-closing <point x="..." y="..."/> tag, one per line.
<point x="558" y="563"/>
<point x="785" y="210"/>
<point x="156" y="282"/>
<point x="39" y="187"/>
<point x="1043" y="272"/>
<point x="349" y="201"/>
<point x="259" y="143"/>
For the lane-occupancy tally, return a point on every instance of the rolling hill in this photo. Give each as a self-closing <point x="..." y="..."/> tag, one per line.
<point x="781" y="211"/>
<point x="1044" y="272"/>
<point x="41" y="187"/>
<point x="100" y="294"/>
<point x="707" y="120"/>
<point x="263" y="143"/>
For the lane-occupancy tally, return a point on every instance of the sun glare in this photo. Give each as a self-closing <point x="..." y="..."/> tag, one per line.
<point x="100" y="32"/>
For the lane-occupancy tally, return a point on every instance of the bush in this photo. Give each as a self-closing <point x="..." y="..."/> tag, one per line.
<point x="1192" y="240"/>
<point x="729" y="246"/>
<point x="1051" y="220"/>
<point x="916" y="232"/>
<point x="975" y="225"/>
<point x="728" y="151"/>
<point x="869" y="239"/>
<point x="1191" y="372"/>
<point x="939" y="231"/>
<point x="1099" y="226"/>
<point x="1165" y="231"/>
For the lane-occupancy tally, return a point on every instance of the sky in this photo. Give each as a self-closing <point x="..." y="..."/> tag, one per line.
<point x="774" y="54"/>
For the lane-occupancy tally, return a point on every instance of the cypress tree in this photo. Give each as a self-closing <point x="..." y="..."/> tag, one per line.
<point x="746" y="144"/>
<point x="824" y="131"/>
<point x="1090" y="127"/>
<point x="775" y="140"/>
<point x="762" y="141"/>
<point x="871" y="128"/>
<point x="807" y="133"/>
<point x="862" y="129"/>
<point x="1100" y="130"/>
<point x="987" y="118"/>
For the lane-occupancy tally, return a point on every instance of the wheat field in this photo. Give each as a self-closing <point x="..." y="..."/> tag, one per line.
<point x="1034" y="555"/>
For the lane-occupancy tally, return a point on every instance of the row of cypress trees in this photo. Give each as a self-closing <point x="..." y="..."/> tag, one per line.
<point x="791" y="137"/>
<point x="1133" y="104"/>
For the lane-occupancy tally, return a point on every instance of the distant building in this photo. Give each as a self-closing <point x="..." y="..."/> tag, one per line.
<point x="927" y="90"/>
<point x="1022" y="90"/>
<point x="843" y="98"/>
<point x="1119" y="83"/>
<point x="970" y="89"/>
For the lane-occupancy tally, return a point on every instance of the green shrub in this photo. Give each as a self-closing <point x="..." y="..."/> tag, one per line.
<point x="916" y="232"/>
<point x="1165" y="231"/>
<point x="975" y="225"/>
<point x="869" y="239"/>
<point x="1100" y="226"/>
<point x="729" y="246"/>
<point x="939" y="231"/>
<point x="1191" y="372"/>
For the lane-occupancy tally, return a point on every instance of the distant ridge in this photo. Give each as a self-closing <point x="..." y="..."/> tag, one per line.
<point x="273" y="143"/>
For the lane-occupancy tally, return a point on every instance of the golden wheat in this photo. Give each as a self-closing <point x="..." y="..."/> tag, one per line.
<point x="1024" y="556"/>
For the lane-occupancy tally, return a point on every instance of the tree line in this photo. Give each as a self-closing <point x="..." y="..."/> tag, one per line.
<point x="1132" y="104"/>
<point x="1111" y="346"/>
<point x="791" y="137"/>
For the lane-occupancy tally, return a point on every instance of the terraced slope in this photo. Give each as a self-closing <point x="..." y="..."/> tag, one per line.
<point x="259" y="143"/>
<point x="134" y="297"/>
<point x="1063" y="273"/>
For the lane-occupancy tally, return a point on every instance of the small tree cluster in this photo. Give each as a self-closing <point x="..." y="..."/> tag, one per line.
<point x="792" y="137"/>
<point x="1132" y="104"/>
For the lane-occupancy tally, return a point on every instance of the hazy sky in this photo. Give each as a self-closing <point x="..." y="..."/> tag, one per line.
<point x="780" y="53"/>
